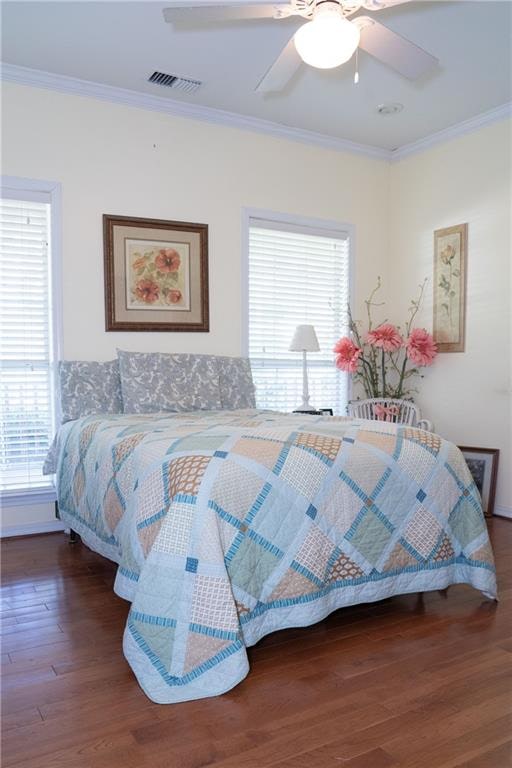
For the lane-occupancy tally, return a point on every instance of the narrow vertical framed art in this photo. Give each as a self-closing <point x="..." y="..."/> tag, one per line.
<point x="450" y="270"/>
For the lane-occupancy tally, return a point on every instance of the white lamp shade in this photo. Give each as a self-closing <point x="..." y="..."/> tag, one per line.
<point x="304" y="339"/>
<point x="327" y="41"/>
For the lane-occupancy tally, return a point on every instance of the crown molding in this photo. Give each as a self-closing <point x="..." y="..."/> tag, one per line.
<point x="502" y="112"/>
<point x="64" y="84"/>
<point x="39" y="79"/>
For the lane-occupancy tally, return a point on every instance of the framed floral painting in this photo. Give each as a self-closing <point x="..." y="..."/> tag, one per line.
<point x="156" y="275"/>
<point x="450" y="256"/>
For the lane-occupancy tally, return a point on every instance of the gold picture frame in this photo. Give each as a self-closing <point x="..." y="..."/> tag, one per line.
<point x="156" y="275"/>
<point x="450" y="269"/>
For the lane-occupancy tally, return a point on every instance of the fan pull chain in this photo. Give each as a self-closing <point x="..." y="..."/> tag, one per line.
<point x="356" y="73"/>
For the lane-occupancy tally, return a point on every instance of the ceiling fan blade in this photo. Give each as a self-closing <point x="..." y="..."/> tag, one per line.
<point x="400" y="54"/>
<point x="377" y="5"/>
<point x="232" y="10"/>
<point x="281" y="71"/>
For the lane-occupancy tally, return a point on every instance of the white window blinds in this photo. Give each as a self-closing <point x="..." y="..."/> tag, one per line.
<point x="297" y="276"/>
<point x="26" y="410"/>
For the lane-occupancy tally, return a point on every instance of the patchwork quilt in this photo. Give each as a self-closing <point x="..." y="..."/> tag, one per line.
<point x="229" y="525"/>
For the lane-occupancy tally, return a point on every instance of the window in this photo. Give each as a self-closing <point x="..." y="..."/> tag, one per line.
<point x="296" y="274"/>
<point x="27" y="345"/>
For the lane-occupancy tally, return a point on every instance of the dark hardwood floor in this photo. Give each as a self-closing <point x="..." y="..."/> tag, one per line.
<point x="404" y="682"/>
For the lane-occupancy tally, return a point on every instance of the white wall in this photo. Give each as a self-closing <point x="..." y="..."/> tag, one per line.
<point x="467" y="395"/>
<point x="116" y="159"/>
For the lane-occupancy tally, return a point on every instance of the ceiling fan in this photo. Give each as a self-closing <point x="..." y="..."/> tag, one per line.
<point x="327" y="39"/>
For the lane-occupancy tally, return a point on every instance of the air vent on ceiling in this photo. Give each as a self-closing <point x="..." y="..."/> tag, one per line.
<point x="175" y="82"/>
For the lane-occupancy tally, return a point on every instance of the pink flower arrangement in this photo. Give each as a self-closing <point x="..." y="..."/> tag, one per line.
<point x="386" y="337"/>
<point x="347" y="355"/>
<point x="381" y="360"/>
<point x="421" y="348"/>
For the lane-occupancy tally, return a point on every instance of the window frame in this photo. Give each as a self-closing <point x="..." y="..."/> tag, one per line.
<point x="40" y="190"/>
<point x="327" y="227"/>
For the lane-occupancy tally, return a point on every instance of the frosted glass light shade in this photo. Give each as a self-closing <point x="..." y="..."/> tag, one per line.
<point x="327" y="41"/>
<point x="304" y="339"/>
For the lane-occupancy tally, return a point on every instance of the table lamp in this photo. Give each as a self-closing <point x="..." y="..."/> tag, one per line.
<point x="304" y="340"/>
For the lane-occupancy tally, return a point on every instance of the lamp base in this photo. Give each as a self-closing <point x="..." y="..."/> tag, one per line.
<point x="305" y="406"/>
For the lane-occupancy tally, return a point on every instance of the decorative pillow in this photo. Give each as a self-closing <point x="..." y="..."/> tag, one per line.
<point x="88" y="387"/>
<point x="236" y="384"/>
<point x="155" y="381"/>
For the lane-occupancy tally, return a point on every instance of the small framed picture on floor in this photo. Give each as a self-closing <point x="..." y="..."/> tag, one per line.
<point x="483" y="465"/>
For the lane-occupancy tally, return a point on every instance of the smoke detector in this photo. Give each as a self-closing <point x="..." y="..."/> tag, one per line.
<point x="389" y="109"/>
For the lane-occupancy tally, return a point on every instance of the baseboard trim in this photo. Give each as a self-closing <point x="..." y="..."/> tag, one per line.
<point x="501" y="511"/>
<point x="29" y="529"/>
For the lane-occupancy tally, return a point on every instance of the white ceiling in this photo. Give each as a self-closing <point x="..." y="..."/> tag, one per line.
<point x="122" y="43"/>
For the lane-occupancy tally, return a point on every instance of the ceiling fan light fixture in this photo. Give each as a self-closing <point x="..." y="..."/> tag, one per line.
<point x="329" y="39"/>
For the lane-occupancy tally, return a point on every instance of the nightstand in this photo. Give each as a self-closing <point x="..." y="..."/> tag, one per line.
<point x="319" y="412"/>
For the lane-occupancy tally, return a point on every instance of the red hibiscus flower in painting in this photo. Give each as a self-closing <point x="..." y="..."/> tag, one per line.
<point x="167" y="260"/>
<point x="174" y="296"/>
<point x="147" y="291"/>
<point x="139" y="263"/>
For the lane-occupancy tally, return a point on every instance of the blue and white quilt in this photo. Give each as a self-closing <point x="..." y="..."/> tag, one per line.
<point x="230" y="525"/>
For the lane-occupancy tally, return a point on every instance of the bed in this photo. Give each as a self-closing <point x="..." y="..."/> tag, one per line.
<point x="230" y="524"/>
